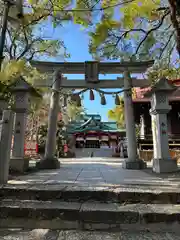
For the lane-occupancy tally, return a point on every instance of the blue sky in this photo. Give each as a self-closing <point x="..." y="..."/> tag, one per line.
<point x="76" y="41"/>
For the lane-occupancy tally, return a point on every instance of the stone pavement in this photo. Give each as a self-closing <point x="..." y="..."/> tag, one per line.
<point x="46" y="234"/>
<point x="99" y="173"/>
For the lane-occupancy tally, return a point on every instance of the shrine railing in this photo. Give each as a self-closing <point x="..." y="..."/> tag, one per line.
<point x="150" y="137"/>
<point x="146" y="142"/>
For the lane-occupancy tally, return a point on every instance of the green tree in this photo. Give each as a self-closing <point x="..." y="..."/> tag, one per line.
<point x="140" y="29"/>
<point x="123" y="29"/>
<point x="26" y="39"/>
<point x="117" y="114"/>
<point x="163" y="68"/>
<point x="74" y="112"/>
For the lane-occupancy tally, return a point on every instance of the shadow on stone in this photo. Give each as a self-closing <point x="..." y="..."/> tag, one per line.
<point x="48" y="163"/>
<point x="136" y="165"/>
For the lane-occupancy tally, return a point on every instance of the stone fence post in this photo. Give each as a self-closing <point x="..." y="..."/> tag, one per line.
<point x="5" y="144"/>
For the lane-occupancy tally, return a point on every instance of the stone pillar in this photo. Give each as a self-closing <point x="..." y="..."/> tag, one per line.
<point x="5" y="144"/>
<point x="18" y="161"/>
<point x="50" y="161"/>
<point x="162" y="162"/>
<point x="132" y="162"/>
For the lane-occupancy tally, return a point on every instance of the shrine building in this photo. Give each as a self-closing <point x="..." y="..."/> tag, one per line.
<point x="92" y="132"/>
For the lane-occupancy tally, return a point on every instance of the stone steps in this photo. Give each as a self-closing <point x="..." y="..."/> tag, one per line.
<point x="57" y="214"/>
<point x="82" y="194"/>
<point x="88" y="208"/>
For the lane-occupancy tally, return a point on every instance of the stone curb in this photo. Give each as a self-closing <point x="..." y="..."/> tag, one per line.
<point x="81" y="195"/>
<point x="90" y="212"/>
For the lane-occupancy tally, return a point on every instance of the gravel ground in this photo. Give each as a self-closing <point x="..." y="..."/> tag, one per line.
<point x="46" y="234"/>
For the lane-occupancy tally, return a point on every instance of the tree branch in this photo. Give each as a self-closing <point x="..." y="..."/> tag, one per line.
<point x="9" y="33"/>
<point x="176" y="22"/>
<point x="6" y="49"/>
<point x="13" y="51"/>
<point x="86" y="9"/>
<point x="165" y="46"/>
<point x="34" y="53"/>
<point x="28" y="47"/>
<point x="152" y="30"/>
<point x="162" y="9"/>
<point x="124" y="35"/>
<point x="27" y="44"/>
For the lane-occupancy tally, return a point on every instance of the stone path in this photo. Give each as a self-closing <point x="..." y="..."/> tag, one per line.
<point x="46" y="234"/>
<point x="98" y="172"/>
<point x="96" y="152"/>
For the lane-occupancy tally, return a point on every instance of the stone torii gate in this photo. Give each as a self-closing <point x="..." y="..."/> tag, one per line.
<point x="92" y="81"/>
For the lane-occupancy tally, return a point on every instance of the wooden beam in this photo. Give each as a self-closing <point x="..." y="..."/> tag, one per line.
<point x="108" y="83"/>
<point x="104" y="67"/>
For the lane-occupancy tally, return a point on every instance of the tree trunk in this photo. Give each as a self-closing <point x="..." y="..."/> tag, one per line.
<point x="175" y="18"/>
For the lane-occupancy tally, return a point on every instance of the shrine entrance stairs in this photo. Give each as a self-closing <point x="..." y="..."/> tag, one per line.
<point x="92" y="194"/>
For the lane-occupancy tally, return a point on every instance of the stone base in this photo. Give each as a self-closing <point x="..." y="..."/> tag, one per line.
<point x="48" y="163"/>
<point x="164" y="165"/>
<point x="136" y="164"/>
<point x="19" y="164"/>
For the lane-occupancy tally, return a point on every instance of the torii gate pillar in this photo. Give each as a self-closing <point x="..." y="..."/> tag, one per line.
<point x="50" y="161"/>
<point x="133" y="161"/>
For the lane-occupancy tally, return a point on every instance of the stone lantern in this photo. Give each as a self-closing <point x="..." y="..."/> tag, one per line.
<point x="162" y="161"/>
<point x="21" y="91"/>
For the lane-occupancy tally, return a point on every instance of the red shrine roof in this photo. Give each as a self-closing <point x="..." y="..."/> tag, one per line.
<point x="139" y="93"/>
